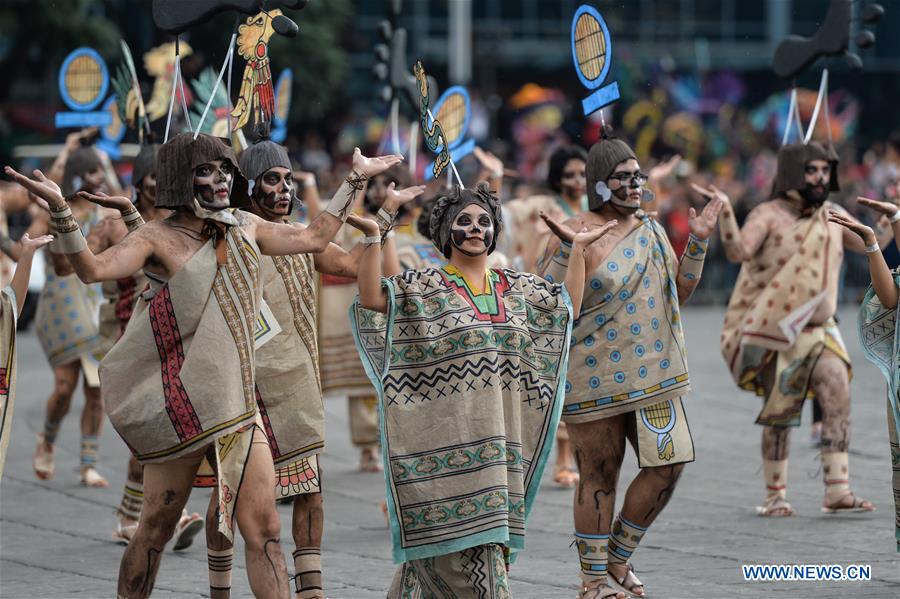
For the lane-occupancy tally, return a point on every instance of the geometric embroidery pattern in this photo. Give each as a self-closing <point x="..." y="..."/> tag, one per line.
<point x="171" y="357"/>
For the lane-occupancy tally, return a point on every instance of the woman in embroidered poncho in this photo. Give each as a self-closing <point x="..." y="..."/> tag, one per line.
<point x="878" y="332"/>
<point x="469" y="365"/>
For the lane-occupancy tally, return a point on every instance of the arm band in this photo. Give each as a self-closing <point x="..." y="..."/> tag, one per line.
<point x="342" y="202"/>
<point x="555" y="271"/>
<point x="895" y="217"/>
<point x="385" y="222"/>
<point x="692" y="260"/>
<point x="69" y="239"/>
<point x="873" y="249"/>
<point x="132" y="220"/>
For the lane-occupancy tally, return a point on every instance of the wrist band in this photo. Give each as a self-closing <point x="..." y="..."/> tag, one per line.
<point x="874" y="248"/>
<point x="895" y="217"/>
<point x="132" y="219"/>
<point x="69" y="238"/>
<point x="339" y="205"/>
<point x="692" y="260"/>
<point x="385" y="222"/>
<point x="371" y="240"/>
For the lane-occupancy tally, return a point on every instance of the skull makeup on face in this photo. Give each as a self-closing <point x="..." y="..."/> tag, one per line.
<point x="212" y="184"/>
<point x="274" y="192"/>
<point x="472" y="232"/>
<point x="472" y="235"/>
<point x="626" y="184"/>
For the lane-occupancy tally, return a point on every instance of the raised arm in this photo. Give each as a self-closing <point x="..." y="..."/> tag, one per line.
<point x="568" y="260"/>
<point x="691" y="266"/>
<point x="889" y="210"/>
<point x="19" y="282"/>
<point x="741" y="244"/>
<point x="882" y="279"/>
<point x="279" y="239"/>
<point x="372" y="295"/>
<point x="121" y="260"/>
<point x="40" y="226"/>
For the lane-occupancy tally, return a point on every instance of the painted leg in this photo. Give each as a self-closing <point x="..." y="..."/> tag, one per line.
<point x="776" y="442"/>
<point x="91" y="423"/>
<point x="564" y="472"/>
<point x="167" y="487"/>
<point x="831" y="384"/>
<point x="307" y="526"/>
<point x="259" y="524"/>
<point x="129" y="511"/>
<point x="599" y="451"/>
<point x="219" y="552"/>
<point x="364" y="431"/>
<point x="65" y="378"/>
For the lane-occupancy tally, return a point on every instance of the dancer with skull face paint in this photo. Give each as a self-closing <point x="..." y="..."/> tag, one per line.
<point x="780" y="339"/>
<point x="66" y="322"/>
<point x="469" y="365"/>
<point x="628" y="365"/>
<point x="181" y="378"/>
<point x="121" y="296"/>
<point x="287" y="373"/>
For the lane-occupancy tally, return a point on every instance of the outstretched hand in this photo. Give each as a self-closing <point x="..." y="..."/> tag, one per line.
<point x="44" y="192"/>
<point x="586" y="236"/>
<point x="120" y="203"/>
<point x="394" y="198"/>
<point x="702" y="225"/>
<point x="375" y="165"/>
<point x="865" y="232"/>
<point x="665" y="168"/>
<point x="710" y="193"/>
<point x="489" y="162"/>
<point x="30" y="245"/>
<point x="886" y="208"/>
<point x="368" y="226"/>
<point x="563" y="231"/>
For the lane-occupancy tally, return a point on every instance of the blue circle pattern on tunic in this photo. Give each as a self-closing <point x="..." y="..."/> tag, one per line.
<point x="642" y="372"/>
<point x="591" y="361"/>
<point x="624" y="295"/>
<point x="568" y="387"/>
<point x="608" y="297"/>
<point x="664" y="364"/>
<point x="630" y="308"/>
<point x="646" y="282"/>
<point x="589" y="340"/>
<point x="612" y="266"/>
<point x="596" y="284"/>
<point x="628" y="252"/>
<point x="658" y="346"/>
<point x="651" y="302"/>
<point x="615" y="356"/>
<point x="654" y="323"/>
<point x="640" y="268"/>
<point x="620" y="377"/>
<point x="639" y="350"/>
<point x="643" y="241"/>
<point x="594" y="382"/>
<point x="600" y="319"/>
<point x="635" y="329"/>
<point x="625" y="279"/>
<point x="611" y="334"/>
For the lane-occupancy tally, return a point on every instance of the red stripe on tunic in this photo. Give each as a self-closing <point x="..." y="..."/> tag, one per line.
<point x="125" y="304"/>
<point x="171" y="358"/>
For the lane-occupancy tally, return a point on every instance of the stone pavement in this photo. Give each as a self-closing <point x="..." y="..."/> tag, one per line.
<point x="55" y="536"/>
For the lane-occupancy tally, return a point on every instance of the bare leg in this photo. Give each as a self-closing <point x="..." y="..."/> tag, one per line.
<point x="564" y="473"/>
<point x="167" y="487"/>
<point x="599" y="451"/>
<point x="831" y="384"/>
<point x="129" y="511"/>
<point x="259" y="523"/>
<point x="219" y="552"/>
<point x="646" y="497"/>
<point x="65" y="378"/>
<point x="91" y="423"/>
<point x="307" y="526"/>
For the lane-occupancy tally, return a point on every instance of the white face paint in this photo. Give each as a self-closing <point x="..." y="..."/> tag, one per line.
<point x="472" y="232"/>
<point x="212" y="184"/>
<point x="626" y="184"/>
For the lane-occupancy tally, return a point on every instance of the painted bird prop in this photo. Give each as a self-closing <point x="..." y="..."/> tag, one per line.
<point x="257" y="95"/>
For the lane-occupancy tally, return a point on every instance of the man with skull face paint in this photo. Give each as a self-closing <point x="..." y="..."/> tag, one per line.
<point x="181" y="378"/>
<point x="780" y="339"/>
<point x="628" y="364"/>
<point x="121" y="296"/>
<point x="469" y="365"/>
<point x="287" y="370"/>
<point x="66" y="322"/>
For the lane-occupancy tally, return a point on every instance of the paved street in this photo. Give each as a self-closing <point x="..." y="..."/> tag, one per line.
<point x="55" y="536"/>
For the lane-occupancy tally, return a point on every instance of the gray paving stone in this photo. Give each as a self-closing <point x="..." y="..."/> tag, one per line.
<point x="55" y="537"/>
